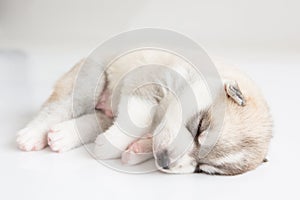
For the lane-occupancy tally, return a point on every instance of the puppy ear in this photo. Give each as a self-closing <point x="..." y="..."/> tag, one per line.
<point x="233" y="91"/>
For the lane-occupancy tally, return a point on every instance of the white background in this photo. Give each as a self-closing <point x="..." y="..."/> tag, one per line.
<point x="39" y="40"/>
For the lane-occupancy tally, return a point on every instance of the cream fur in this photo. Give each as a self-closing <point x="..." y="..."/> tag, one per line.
<point x="245" y="130"/>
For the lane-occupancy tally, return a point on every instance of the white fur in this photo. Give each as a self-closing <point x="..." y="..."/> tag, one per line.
<point x="230" y="158"/>
<point x="245" y="131"/>
<point x="124" y="131"/>
<point x="65" y="136"/>
<point x="210" y="169"/>
<point x="34" y="135"/>
<point x="183" y="165"/>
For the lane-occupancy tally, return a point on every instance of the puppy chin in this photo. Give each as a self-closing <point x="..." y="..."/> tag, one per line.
<point x="184" y="165"/>
<point x="179" y="170"/>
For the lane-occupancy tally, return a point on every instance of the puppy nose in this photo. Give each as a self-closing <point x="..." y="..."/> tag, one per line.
<point x="162" y="159"/>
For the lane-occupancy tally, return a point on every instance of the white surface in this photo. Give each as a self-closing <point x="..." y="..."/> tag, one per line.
<point x="249" y="22"/>
<point x="26" y="79"/>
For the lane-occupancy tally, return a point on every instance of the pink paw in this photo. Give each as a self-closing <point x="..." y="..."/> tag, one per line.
<point x="139" y="151"/>
<point x="51" y="139"/>
<point x="31" y="139"/>
<point x="63" y="137"/>
<point x="142" y="145"/>
<point x="135" y="147"/>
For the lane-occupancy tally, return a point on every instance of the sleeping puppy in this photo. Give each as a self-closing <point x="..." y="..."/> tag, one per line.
<point x="153" y="103"/>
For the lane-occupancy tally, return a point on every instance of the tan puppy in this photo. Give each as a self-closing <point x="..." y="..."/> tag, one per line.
<point x="226" y="130"/>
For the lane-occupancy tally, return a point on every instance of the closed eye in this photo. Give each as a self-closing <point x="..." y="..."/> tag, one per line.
<point x="199" y="131"/>
<point x="197" y="169"/>
<point x="199" y="123"/>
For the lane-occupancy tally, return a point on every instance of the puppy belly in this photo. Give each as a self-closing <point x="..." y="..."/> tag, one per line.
<point x="104" y="103"/>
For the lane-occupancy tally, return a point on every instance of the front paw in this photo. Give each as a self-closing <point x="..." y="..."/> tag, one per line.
<point x="137" y="152"/>
<point x="32" y="139"/>
<point x="63" y="137"/>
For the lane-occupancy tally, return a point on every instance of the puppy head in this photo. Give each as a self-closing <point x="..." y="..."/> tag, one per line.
<point x="181" y="155"/>
<point x="186" y="148"/>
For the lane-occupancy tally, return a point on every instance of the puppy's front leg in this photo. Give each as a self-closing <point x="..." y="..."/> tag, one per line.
<point x="133" y="120"/>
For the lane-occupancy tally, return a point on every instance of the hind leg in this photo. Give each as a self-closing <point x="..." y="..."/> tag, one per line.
<point x="56" y="109"/>
<point x="34" y="136"/>
<point x="75" y="132"/>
